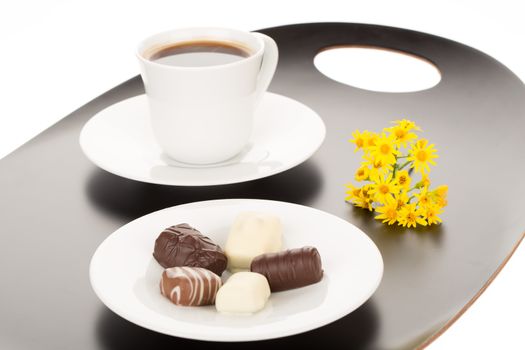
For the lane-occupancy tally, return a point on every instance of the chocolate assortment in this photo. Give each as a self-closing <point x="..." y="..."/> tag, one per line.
<point x="183" y="245"/>
<point x="194" y="264"/>
<point x="289" y="269"/>
<point x="190" y="286"/>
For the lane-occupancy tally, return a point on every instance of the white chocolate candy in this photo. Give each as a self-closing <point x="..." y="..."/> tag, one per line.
<point x="252" y="234"/>
<point x="243" y="293"/>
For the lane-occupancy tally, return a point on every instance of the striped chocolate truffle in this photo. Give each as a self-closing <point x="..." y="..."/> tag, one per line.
<point x="189" y="286"/>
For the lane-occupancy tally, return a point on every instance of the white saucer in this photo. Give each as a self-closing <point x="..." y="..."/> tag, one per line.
<point x="125" y="276"/>
<point x="119" y="139"/>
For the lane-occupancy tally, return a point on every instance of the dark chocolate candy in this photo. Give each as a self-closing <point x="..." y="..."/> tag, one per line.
<point x="182" y="245"/>
<point x="289" y="269"/>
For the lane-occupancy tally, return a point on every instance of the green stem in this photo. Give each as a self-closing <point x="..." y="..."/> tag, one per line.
<point x="410" y="198"/>
<point x="405" y="164"/>
<point x="402" y="157"/>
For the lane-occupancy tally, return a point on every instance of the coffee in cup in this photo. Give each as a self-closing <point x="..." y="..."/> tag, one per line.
<point x="203" y="86"/>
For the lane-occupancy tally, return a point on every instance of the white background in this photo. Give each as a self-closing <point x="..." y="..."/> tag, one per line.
<point x="56" y="55"/>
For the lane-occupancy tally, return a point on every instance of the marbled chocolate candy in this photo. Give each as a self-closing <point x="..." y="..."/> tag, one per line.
<point x="289" y="269"/>
<point x="190" y="286"/>
<point x="182" y="245"/>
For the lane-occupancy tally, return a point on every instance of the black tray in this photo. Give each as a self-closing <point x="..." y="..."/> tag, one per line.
<point x="56" y="207"/>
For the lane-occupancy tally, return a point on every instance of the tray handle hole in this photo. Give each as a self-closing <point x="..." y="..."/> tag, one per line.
<point x="377" y="69"/>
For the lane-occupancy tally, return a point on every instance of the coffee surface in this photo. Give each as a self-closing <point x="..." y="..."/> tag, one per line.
<point x="199" y="53"/>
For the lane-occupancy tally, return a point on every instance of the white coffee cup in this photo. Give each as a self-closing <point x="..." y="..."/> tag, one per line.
<point x="204" y="114"/>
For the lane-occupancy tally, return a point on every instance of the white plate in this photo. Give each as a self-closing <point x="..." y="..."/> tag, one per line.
<point x="125" y="276"/>
<point x="119" y="139"/>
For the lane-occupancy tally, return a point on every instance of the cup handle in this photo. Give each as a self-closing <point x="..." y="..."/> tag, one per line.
<point x="268" y="65"/>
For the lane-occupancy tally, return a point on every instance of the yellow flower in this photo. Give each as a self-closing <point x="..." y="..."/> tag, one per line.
<point x="366" y="198"/>
<point x="388" y="212"/>
<point x="366" y="191"/>
<point x="431" y="213"/>
<point x="401" y="199"/>
<point x="352" y="192"/>
<point x="425" y="181"/>
<point x="359" y="139"/>
<point x="441" y="202"/>
<point x="410" y="216"/>
<point x="401" y="135"/>
<point x="388" y="189"/>
<point x="441" y="191"/>
<point x="406" y="124"/>
<point x="364" y="203"/>
<point x="423" y="198"/>
<point x="376" y="167"/>
<point x="403" y="179"/>
<point x="362" y="173"/>
<point x="359" y="196"/>
<point x="384" y="150"/>
<point x="371" y="139"/>
<point x="383" y="188"/>
<point x="439" y="196"/>
<point x="422" y="155"/>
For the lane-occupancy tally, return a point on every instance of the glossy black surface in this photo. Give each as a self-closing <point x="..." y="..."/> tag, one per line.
<point x="56" y="207"/>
